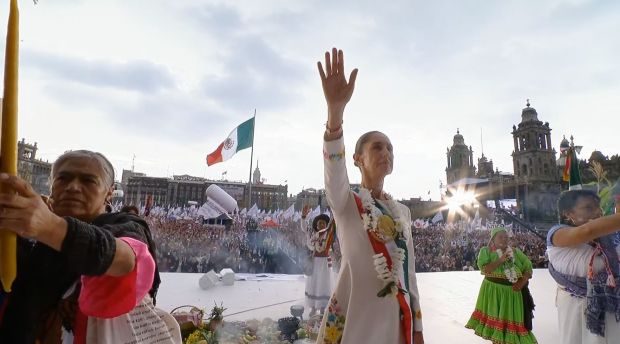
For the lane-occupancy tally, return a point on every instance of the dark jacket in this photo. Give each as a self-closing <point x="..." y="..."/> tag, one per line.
<point x="45" y="274"/>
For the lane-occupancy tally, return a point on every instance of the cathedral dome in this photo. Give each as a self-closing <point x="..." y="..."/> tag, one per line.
<point x="529" y="114"/>
<point x="459" y="139"/>
<point x="564" y="145"/>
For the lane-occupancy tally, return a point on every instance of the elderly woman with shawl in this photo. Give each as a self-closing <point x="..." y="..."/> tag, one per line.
<point x="583" y="260"/>
<point x="504" y="308"/>
<point x="86" y="265"/>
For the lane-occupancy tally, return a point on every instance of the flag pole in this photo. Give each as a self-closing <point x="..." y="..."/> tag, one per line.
<point x="251" y="161"/>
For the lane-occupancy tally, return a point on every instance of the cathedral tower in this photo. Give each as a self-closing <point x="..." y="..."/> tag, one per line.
<point x="460" y="160"/>
<point x="535" y="167"/>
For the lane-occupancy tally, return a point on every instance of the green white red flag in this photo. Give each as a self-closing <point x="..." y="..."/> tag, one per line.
<point x="240" y="138"/>
<point x="571" y="170"/>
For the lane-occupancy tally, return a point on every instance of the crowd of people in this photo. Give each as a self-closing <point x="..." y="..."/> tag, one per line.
<point x="439" y="248"/>
<point x="187" y="245"/>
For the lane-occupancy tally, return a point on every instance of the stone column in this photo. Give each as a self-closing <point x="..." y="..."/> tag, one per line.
<point x="516" y="143"/>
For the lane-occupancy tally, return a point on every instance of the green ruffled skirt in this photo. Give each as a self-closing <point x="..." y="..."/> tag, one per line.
<point x="499" y="315"/>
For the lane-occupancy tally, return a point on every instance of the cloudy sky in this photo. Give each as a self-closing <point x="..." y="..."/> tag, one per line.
<point x="168" y="80"/>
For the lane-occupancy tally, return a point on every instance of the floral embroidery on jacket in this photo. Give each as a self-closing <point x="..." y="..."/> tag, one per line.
<point x="334" y="325"/>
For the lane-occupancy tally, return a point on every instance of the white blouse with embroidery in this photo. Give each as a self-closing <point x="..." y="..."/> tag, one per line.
<point x="355" y="313"/>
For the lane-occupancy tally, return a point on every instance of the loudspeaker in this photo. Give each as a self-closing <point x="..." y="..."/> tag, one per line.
<point x="228" y="276"/>
<point x="208" y="280"/>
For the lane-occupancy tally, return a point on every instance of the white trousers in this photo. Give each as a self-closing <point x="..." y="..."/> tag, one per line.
<point x="572" y="322"/>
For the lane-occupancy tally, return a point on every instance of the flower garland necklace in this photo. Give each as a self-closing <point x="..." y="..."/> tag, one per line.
<point x="509" y="269"/>
<point x="370" y="218"/>
<point x="320" y="242"/>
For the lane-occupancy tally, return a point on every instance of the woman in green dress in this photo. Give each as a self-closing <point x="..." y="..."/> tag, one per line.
<point x="504" y="309"/>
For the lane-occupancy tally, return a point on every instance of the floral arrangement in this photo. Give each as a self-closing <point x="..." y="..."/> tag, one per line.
<point x="385" y="229"/>
<point x="202" y="335"/>
<point x="207" y="333"/>
<point x="509" y="265"/>
<point x="216" y="331"/>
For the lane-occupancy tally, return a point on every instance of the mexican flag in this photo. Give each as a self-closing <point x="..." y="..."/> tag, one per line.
<point x="571" y="170"/>
<point x="240" y="138"/>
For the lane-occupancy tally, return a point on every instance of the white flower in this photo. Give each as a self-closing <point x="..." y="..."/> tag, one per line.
<point x="380" y="261"/>
<point x="370" y="219"/>
<point x="399" y="225"/>
<point x="366" y="220"/>
<point x="509" y="268"/>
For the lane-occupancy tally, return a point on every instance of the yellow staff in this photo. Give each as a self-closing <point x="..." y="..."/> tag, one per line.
<point x="8" y="143"/>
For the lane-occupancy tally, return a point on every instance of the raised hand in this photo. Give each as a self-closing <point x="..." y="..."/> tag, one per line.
<point x="336" y="89"/>
<point x="305" y="211"/>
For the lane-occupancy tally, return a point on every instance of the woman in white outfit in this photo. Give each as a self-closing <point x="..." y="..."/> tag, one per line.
<point x="583" y="260"/>
<point x="319" y="283"/>
<point x="376" y="299"/>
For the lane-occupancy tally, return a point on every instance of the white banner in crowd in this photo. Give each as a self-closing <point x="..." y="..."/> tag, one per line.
<point x="289" y="212"/>
<point x="438" y="217"/>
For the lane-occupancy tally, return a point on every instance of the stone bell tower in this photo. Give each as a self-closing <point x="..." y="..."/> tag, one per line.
<point x="460" y="160"/>
<point x="535" y="167"/>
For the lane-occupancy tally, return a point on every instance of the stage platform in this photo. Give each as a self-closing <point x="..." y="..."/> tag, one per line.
<point x="448" y="298"/>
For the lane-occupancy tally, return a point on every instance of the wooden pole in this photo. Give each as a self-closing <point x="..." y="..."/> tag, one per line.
<point x="8" y="145"/>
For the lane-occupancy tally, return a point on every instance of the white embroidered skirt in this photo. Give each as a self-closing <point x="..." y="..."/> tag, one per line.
<point x="319" y="285"/>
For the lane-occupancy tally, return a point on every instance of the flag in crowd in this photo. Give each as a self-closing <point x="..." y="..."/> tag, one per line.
<point x="438" y="217"/>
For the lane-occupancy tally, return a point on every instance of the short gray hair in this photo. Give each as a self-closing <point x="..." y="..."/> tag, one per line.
<point x="107" y="170"/>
